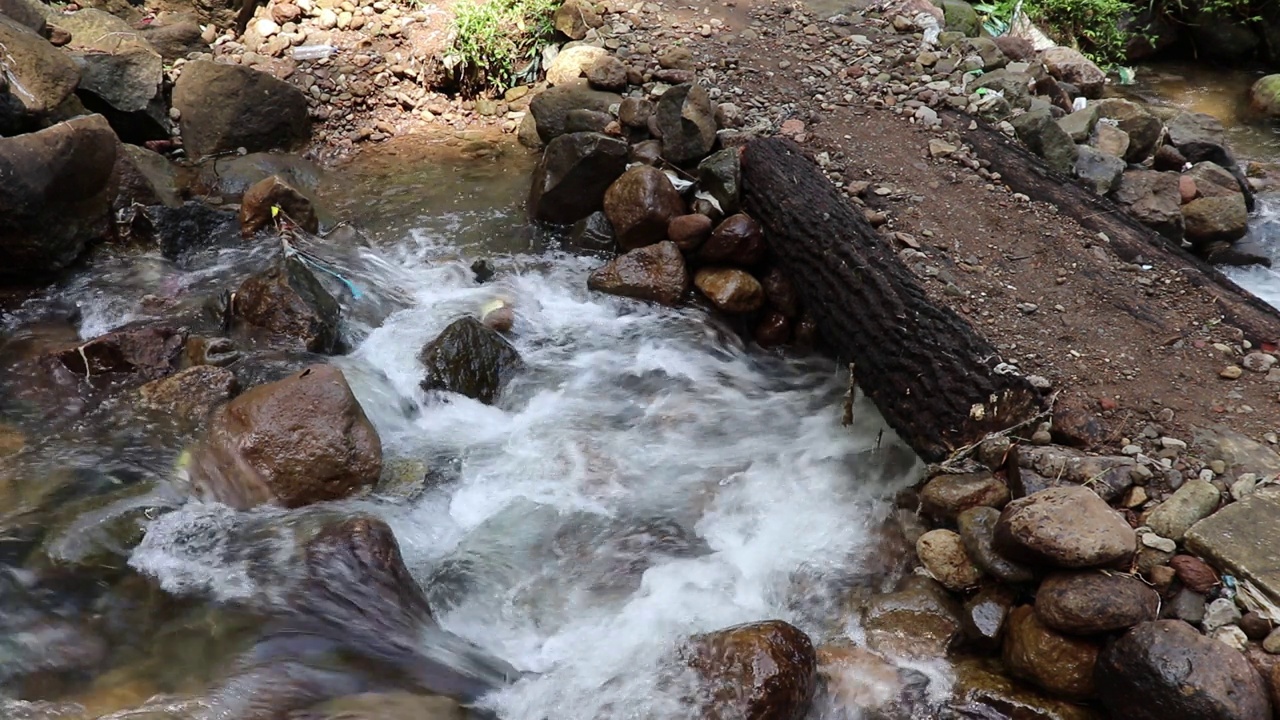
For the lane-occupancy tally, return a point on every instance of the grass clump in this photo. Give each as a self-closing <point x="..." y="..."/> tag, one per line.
<point x="498" y="43"/>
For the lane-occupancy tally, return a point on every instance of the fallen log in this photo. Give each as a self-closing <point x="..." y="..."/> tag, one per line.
<point x="1129" y="239"/>
<point x="932" y="376"/>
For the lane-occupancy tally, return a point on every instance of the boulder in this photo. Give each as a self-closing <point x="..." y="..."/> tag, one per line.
<point x="1079" y="124"/>
<point x="551" y="107"/>
<point x="1061" y="664"/>
<point x="120" y="74"/>
<point x="1213" y="180"/>
<point x="594" y="234"/>
<point x="655" y="273"/>
<point x="720" y="176"/>
<point x="174" y="35"/>
<point x="918" y="620"/>
<point x="731" y="290"/>
<point x="1166" y="669"/>
<point x="470" y="359"/>
<point x="1038" y="130"/>
<point x="1110" y="139"/>
<point x="1014" y="86"/>
<point x="55" y="194"/>
<point x="758" y="671"/>
<point x="942" y="553"/>
<point x="607" y="73"/>
<point x="977" y="527"/>
<point x="738" y="240"/>
<point x="227" y="107"/>
<point x="1154" y="199"/>
<point x="144" y="177"/>
<point x="640" y="205"/>
<point x="583" y="120"/>
<point x="1090" y="603"/>
<point x="1235" y="539"/>
<point x="141" y="351"/>
<point x="259" y="199"/>
<point x="570" y="181"/>
<point x="293" y="442"/>
<point x="1264" y="96"/>
<point x="1069" y="65"/>
<point x="982" y="690"/>
<point x="959" y="16"/>
<point x="1215" y="219"/>
<point x="688" y="232"/>
<point x="574" y="18"/>
<point x="289" y="303"/>
<point x="1142" y="127"/>
<point x="1098" y="171"/>
<point x="1066" y="527"/>
<point x="1221" y="38"/>
<point x="47" y="75"/>
<point x="947" y="495"/>
<point x="573" y="63"/>
<point x="686" y="122"/>
<point x="190" y="394"/>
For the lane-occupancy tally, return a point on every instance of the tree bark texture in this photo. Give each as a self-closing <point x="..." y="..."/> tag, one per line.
<point x="1130" y="240"/>
<point x="932" y="376"/>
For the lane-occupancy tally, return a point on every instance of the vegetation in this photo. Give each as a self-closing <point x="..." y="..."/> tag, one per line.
<point x="498" y="43"/>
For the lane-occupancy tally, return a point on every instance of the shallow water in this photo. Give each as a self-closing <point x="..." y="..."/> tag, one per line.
<point x="647" y="477"/>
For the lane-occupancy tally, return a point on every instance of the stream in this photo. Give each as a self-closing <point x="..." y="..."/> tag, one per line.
<point x="737" y="494"/>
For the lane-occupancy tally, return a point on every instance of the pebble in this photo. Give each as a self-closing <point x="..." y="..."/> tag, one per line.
<point x="1220" y="612"/>
<point x="1163" y="544"/>
<point x="1233" y="636"/>
<point x="1188" y="606"/>
<point x="1255" y="626"/>
<point x="1231" y="372"/>
<point x="1259" y="362"/>
<point x="1271" y="643"/>
<point x="1173" y="443"/>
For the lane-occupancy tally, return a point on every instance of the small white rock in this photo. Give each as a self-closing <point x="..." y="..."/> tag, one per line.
<point x="1219" y="613"/>
<point x="1173" y="443"/>
<point x="1231" y="635"/>
<point x="1155" y="542"/>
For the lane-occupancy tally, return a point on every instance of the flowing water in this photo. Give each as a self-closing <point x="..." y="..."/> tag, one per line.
<point x="646" y="477"/>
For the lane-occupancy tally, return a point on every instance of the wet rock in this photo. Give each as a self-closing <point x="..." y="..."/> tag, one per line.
<point x="1215" y="219"/>
<point x="1069" y="65"/>
<point x="977" y="528"/>
<point x="919" y="620"/>
<point x="1241" y="253"/>
<point x="1068" y="527"/>
<point x="774" y="329"/>
<point x="297" y="441"/>
<point x="720" y="175"/>
<point x="1079" y="124"/>
<point x="1234" y="538"/>
<point x="1098" y="171"/>
<point x="230" y="177"/>
<point x="1013" y="86"/>
<point x="607" y="73"/>
<point x="1142" y="127"/>
<point x="780" y="293"/>
<point x="947" y="495"/>
<point x="755" y="671"/>
<point x="1165" y="669"/>
<point x="1061" y="664"/>
<point x="48" y="76"/>
<point x="686" y="122"/>
<point x="144" y="177"/>
<point x="551" y="107"/>
<point x="1090" y="603"/>
<point x="570" y="181"/>
<point x="594" y="234"/>
<point x="729" y="289"/>
<point x="574" y="18"/>
<point x="385" y="706"/>
<point x="120" y="74"/>
<point x="943" y="555"/>
<point x="191" y="226"/>
<point x="984" y="617"/>
<point x="1201" y="138"/>
<point x="856" y="678"/>
<point x="191" y="393"/>
<point x="982" y="690"/>
<point x="226" y="107"/>
<point x="258" y="200"/>
<point x="1154" y="199"/>
<point x="470" y="359"/>
<point x="1195" y="500"/>
<point x="55" y="194"/>
<point x="288" y="302"/>
<point x="146" y="351"/>
<point x="655" y="273"/>
<point x="688" y="232"/>
<point x="737" y="240"/>
<point x="640" y="205"/>
<point x="1194" y="573"/>
<point x="573" y="63"/>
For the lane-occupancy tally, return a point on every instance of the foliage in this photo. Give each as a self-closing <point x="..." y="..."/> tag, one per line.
<point x="1092" y="26"/>
<point x="498" y="43"/>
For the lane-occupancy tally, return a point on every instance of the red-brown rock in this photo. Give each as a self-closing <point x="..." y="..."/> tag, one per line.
<point x="758" y="671"/>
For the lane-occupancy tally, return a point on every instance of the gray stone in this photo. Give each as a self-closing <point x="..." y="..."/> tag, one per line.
<point x="1047" y="139"/>
<point x="992" y="57"/>
<point x="1239" y="453"/>
<point x="1271" y="643"/>
<point x="122" y="71"/>
<point x="1143" y="128"/>
<point x="959" y="16"/>
<point x="1098" y="171"/>
<point x="686" y="122"/>
<point x="227" y="107"/>
<point x="1241" y="538"/>
<point x="1154" y="199"/>
<point x="977" y="529"/>
<point x="1187" y="605"/>
<point x="1054" y="466"/>
<point x="1079" y="124"/>
<point x="1222" y="611"/>
<point x="575" y="171"/>
<point x="1014" y="86"/>
<point x="1191" y="503"/>
<point x="720" y="175"/>
<point x="1109" y="139"/>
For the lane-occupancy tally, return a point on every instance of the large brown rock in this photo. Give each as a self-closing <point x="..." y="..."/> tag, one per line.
<point x="1066" y="527"/>
<point x="550" y="108"/>
<point x="227" y="107"/>
<point x="729" y="289"/>
<point x="686" y="121"/>
<point x="758" y="671"/>
<point x="191" y="393"/>
<point x="55" y="194"/>
<point x="1142" y="127"/>
<point x="293" y="442"/>
<point x="1089" y="603"/>
<point x="570" y="181"/>
<point x="1154" y="199"/>
<point x="47" y="75"/>
<point x="949" y="494"/>
<point x="1166" y="669"/>
<point x="146" y="352"/>
<point x="656" y="273"/>
<point x="258" y="200"/>
<point x="1069" y="65"/>
<point x="470" y="359"/>
<point x="919" y="620"/>
<point x="1061" y="664"/>
<point x="737" y="240"/>
<point x="640" y="205"/>
<point x="1215" y="219"/>
<point x="288" y="302"/>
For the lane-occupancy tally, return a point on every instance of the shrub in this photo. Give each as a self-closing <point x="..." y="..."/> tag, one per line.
<point x="498" y="43"/>
<point x="1092" y="26"/>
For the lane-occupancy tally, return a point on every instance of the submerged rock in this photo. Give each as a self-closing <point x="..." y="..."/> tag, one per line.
<point x="570" y="180"/>
<point x="656" y="273"/>
<point x="385" y="706"/>
<point x="290" y="304"/>
<point x="470" y="359"/>
<point x="293" y="442"/>
<point x="191" y="393"/>
<point x="1166" y="669"/>
<point x="919" y="620"/>
<point x="226" y="107"/>
<point x="856" y="678"/>
<point x="143" y="351"/>
<point x="640" y="204"/>
<point x="758" y="671"/>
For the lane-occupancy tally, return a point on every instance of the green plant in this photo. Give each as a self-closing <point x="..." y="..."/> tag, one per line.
<point x="1094" y="27"/>
<point x="498" y="43"/>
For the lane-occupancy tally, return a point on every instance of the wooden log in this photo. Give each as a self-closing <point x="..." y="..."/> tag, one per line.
<point x="1129" y="239"/>
<point x="932" y="376"/>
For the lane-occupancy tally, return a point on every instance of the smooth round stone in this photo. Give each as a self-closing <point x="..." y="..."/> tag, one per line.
<point x="943" y="555"/>
<point x="977" y="529"/>
<point x="947" y="495"/>
<point x="1088" y="603"/>
<point x="1066" y="527"/>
